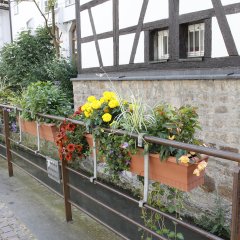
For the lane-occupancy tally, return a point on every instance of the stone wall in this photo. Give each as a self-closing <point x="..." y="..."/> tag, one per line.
<point x="218" y="103"/>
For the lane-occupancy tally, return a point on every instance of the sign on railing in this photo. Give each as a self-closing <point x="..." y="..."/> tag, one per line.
<point x="53" y="169"/>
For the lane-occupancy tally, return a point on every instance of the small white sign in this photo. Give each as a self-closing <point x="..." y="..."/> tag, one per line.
<point x="53" y="169"/>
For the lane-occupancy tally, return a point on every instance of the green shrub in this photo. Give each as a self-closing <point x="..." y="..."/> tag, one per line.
<point x="46" y="98"/>
<point x="20" y="58"/>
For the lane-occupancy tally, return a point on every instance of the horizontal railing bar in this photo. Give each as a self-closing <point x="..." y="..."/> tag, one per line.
<point x="25" y="159"/>
<point x="2" y="135"/>
<point x="61" y="119"/>
<point x="116" y="212"/>
<point x="4" y="157"/>
<point x="3" y="146"/>
<point x="78" y="173"/>
<point x="27" y="148"/>
<point x="97" y="219"/>
<point x="10" y="107"/>
<point x="40" y="181"/>
<point x="103" y="185"/>
<point x="184" y="224"/>
<point x="190" y="147"/>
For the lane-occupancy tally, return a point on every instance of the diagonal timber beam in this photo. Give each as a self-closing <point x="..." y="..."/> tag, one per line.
<point x="138" y="31"/>
<point x="224" y="27"/>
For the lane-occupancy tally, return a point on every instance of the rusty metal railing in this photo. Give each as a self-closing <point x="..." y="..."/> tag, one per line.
<point x="235" y="226"/>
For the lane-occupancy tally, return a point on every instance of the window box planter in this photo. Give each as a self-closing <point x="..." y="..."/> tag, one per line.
<point x="169" y="172"/>
<point x="48" y="131"/>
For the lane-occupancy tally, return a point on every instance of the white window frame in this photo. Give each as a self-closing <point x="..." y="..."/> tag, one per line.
<point x="200" y="27"/>
<point x="161" y="54"/>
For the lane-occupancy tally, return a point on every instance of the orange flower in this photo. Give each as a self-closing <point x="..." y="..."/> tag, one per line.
<point x="79" y="148"/>
<point x="70" y="147"/>
<point x="68" y="156"/>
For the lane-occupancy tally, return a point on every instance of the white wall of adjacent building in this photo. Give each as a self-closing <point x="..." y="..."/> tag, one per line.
<point x="5" y="34"/>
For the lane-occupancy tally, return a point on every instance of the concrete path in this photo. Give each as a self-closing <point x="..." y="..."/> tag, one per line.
<point x="30" y="211"/>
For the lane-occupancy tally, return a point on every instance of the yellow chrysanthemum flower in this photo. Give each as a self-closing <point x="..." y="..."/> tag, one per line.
<point x="87" y="114"/>
<point x="171" y="137"/>
<point x="102" y="100"/>
<point x="91" y="99"/>
<point x="113" y="103"/>
<point x="184" y="159"/>
<point x="202" y="165"/>
<point x="96" y="104"/>
<point x="107" y="117"/>
<point x="108" y="95"/>
<point x="196" y="172"/>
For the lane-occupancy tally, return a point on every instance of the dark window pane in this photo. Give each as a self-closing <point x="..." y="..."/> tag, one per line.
<point x="197" y="41"/>
<point x="165" y="45"/>
<point x="191" y="41"/>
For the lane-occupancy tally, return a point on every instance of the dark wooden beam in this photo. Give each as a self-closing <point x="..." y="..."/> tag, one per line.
<point x="224" y="27"/>
<point x="138" y="31"/>
<point x="91" y="4"/>
<point x="208" y="63"/>
<point x="95" y="38"/>
<point x="79" y="39"/>
<point x="208" y="38"/>
<point x="146" y="46"/>
<point x="115" y="32"/>
<point x="173" y="29"/>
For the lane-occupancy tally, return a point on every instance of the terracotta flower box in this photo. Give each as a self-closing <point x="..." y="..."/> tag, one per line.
<point x="169" y="172"/>
<point x="48" y="131"/>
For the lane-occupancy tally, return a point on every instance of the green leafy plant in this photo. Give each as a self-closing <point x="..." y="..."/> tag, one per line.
<point x="46" y="98"/>
<point x="168" y="200"/>
<point x="215" y="222"/>
<point x="173" y="123"/>
<point x="27" y="53"/>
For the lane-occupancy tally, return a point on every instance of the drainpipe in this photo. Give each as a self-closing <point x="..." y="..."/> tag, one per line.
<point x="10" y="19"/>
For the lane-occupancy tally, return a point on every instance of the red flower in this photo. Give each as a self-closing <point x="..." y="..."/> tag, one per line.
<point x="68" y="156"/>
<point x="71" y="127"/>
<point x="79" y="148"/>
<point x="70" y="147"/>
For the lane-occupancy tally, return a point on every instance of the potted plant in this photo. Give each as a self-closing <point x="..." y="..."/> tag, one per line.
<point x="174" y="167"/>
<point x="45" y="98"/>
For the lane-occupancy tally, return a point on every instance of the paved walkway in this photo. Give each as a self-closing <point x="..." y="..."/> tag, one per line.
<point x="30" y="211"/>
<point x="11" y="228"/>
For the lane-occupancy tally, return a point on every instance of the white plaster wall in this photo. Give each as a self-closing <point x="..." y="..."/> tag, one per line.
<point x="139" y="57"/>
<point x="156" y="10"/>
<point x="129" y="11"/>
<point x="187" y="6"/>
<point x="86" y="29"/>
<point x="102" y="16"/>
<point x="89" y="55"/>
<point x="218" y="45"/>
<point x="125" y="48"/>
<point x="84" y="1"/>
<point x="106" y="49"/>
<point x="5" y="35"/>
<point x="68" y="13"/>
<point x="226" y="2"/>
<point x="234" y="22"/>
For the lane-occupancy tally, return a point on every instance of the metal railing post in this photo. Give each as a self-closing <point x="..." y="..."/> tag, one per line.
<point x="7" y="142"/>
<point x="235" y="228"/>
<point x="94" y="160"/>
<point x="66" y="191"/>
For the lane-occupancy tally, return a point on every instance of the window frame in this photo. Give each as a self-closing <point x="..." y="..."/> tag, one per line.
<point x="194" y="29"/>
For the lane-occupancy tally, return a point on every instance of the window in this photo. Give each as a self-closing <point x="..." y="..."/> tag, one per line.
<point x="69" y="2"/>
<point x="46" y="6"/>
<point x="160" y="45"/>
<point x="74" y="42"/>
<point x="196" y="40"/>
